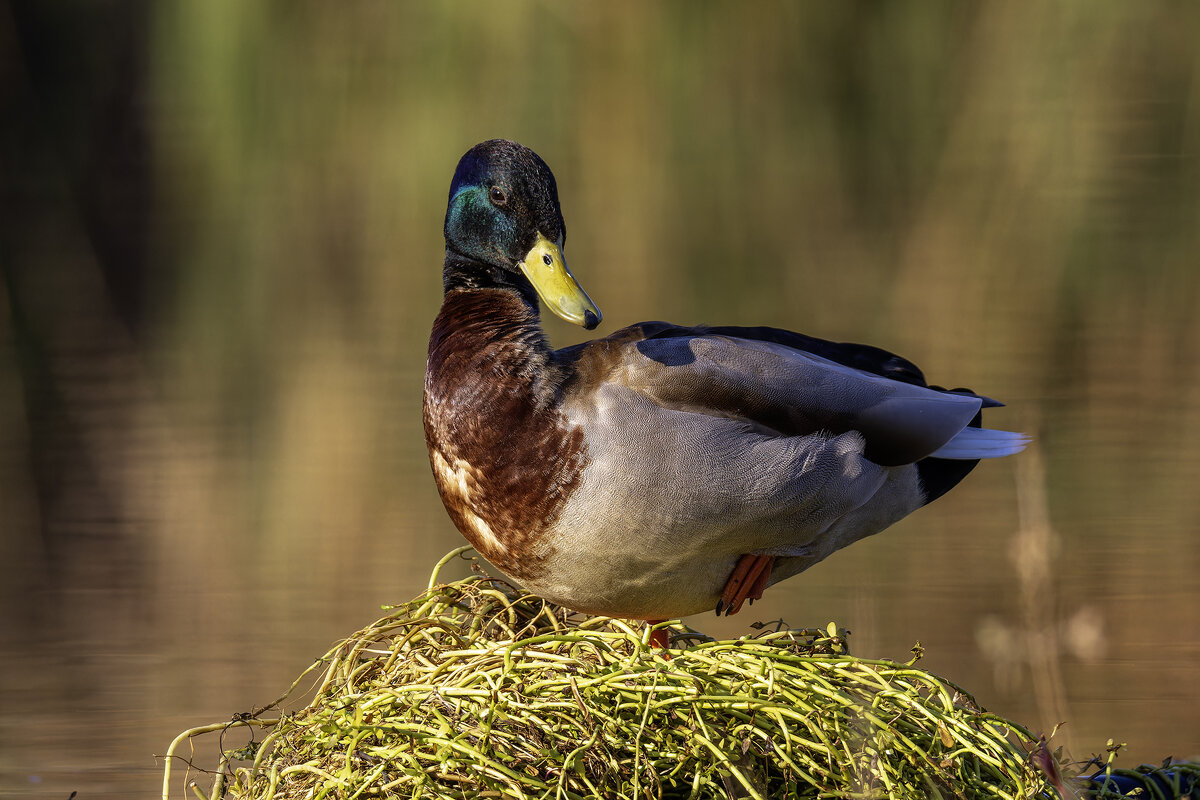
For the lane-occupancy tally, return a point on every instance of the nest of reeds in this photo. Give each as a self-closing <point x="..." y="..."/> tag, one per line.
<point x="476" y="689"/>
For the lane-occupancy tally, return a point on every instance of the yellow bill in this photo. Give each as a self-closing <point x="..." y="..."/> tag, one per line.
<point x="546" y="269"/>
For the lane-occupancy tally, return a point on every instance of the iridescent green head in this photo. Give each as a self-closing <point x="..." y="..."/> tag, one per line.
<point x="503" y="211"/>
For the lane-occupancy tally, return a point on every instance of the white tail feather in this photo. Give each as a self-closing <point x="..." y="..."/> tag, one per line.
<point x="971" y="443"/>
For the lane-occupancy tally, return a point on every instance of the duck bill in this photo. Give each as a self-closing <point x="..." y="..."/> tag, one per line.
<point x="546" y="269"/>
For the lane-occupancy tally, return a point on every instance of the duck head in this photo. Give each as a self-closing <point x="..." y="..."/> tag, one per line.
<point x="504" y="227"/>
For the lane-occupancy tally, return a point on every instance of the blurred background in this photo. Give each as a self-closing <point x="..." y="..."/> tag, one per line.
<point x="220" y="243"/>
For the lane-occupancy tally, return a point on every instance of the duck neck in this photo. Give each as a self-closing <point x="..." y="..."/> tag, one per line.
<point x="490" y="316"/>
<point x="462" y="272"/>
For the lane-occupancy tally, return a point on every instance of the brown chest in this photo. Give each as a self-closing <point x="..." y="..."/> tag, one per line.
<point x="504" y="460"/>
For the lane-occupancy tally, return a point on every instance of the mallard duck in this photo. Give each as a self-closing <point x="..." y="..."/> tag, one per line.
<point x="663" y="470"/>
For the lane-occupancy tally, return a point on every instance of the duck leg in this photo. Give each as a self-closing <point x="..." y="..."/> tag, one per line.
<point x="660" y="638"/>
<point x="748" y="581"/>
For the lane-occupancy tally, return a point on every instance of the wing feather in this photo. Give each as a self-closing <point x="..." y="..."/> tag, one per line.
<point x="790" y="390"/>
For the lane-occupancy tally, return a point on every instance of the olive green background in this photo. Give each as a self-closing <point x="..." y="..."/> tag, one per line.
<point x="221" y="255"/>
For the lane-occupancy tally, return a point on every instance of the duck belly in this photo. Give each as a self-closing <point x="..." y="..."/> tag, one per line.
<point x="666" y="507"/>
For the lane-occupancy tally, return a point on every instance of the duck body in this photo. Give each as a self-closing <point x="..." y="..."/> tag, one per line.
<point x="627" y="476"/>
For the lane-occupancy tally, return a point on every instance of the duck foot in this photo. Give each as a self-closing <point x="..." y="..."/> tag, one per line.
<point x="747" y="582"/>
<point x="660" y="638"/>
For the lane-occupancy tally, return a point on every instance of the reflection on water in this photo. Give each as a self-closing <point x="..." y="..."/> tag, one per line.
<point x="222" y="257"/>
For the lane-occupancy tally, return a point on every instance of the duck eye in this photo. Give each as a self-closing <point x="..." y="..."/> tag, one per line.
<point x="498" y="196"/>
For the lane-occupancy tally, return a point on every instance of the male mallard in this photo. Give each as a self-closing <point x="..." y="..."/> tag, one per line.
<point x="663" y="470"/>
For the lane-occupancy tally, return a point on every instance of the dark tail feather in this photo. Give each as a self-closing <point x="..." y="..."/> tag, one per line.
<point x="940" y="475"/>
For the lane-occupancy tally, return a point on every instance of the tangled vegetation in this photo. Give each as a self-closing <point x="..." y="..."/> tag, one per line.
<point x="475" y="689"/>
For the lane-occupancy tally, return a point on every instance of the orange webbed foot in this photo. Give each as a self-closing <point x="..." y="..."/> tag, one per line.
<point x="747" y="582"/>
<point x="660" y="638"/>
